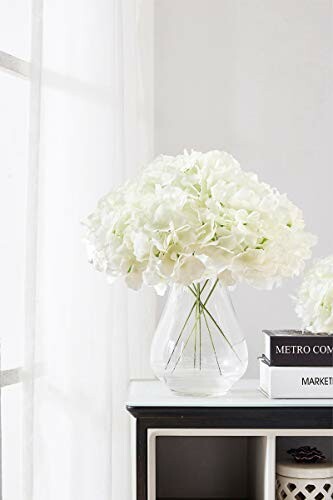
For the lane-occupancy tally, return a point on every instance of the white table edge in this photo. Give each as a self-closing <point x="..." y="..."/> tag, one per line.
<point x="246" y="393"/>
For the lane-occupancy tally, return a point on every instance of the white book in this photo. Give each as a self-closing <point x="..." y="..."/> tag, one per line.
<point x="296" y="382"/>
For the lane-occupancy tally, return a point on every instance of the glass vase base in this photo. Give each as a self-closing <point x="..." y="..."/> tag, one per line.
<point x="197" y="386"/>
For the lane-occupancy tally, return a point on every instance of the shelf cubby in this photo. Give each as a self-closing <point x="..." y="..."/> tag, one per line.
<point x="210" y="464"/>
<point x="207" y="467"/>
<point x="322" y="443"/>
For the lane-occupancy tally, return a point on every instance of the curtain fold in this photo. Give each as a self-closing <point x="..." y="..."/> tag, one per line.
<point x="95" y="131"/>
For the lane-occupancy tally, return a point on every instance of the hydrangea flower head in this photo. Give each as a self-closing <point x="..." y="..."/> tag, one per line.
<point x="315" y="297"/>
<point x="197" y="216"/>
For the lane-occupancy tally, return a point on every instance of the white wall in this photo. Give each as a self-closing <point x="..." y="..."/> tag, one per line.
<point x="253" y="77"/>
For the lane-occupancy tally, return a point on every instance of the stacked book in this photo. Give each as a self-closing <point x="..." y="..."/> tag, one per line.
<point x="297" y="364"/>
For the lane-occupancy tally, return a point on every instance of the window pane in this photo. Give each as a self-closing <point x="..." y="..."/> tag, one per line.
<point x="14" y="106"/>
<point x="15" y="21"/>
<point x="11" y="414"/>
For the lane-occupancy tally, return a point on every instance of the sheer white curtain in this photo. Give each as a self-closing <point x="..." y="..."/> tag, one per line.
<point x="90" y="129"/>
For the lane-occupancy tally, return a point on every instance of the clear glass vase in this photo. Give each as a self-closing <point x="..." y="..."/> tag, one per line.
<point x="198" y="348"/>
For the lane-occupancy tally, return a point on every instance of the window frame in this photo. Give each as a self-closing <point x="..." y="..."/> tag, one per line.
<point x="19" y="68"/>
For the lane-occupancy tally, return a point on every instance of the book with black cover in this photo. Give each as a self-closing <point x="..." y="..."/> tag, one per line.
<point x="295" y="348"/>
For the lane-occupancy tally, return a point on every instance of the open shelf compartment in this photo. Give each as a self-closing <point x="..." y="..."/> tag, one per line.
<point x="215" y="465"/>
<point x="315" y="480"/>
<point x="285" y="443"/>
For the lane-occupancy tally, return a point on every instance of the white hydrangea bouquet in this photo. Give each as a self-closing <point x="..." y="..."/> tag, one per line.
<point x="197" y="216"/>
<point x="315" y="297"/>
<point x="197" y="220"/>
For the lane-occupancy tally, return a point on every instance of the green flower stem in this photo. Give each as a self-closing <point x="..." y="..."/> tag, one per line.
<point x="197" y="320"/>
<point x="180" y="335"/>
<point x="195" y="292"/>
<point x="203" y="305"/>
<point x="200" y="310"/>
<point x="212" y="342"/>
<point x="199" y="313"/>
<point x="183" y="349"/>
<point x="183" y="328"/>
<point x="199" y="327"/>
<point x="195" y="335"/>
